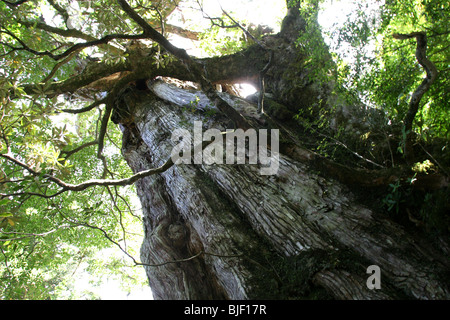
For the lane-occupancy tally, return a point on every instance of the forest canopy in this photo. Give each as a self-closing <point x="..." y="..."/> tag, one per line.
<point x="66" y="192"/>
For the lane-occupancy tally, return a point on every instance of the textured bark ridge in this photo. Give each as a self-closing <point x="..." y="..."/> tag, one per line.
<point x="237" y="234"/>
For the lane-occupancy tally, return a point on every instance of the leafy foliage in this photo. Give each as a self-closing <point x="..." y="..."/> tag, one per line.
<point x="44" y="239"/>
<point x="386" y="75"/>
<point x="378" y="74"/>
<point x="213" y="41"/>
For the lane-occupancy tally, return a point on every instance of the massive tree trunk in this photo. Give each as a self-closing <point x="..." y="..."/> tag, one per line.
<point x="228" y="232"/>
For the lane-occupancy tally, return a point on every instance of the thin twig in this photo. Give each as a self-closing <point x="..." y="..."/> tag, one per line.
<point x="67" y="154"/>
<point x="6" y="261"/>
<point x="435" y="161"/>
<point x="237" y="24"/>
<point x="29" y="235"/>
<point x="113" y="199"/>
<point x="262" y="85"/>
<point x="75" y="48"/>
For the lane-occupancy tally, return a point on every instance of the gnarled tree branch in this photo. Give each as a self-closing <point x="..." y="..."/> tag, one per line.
<point x="430" y="69"/>
<point x="68" y="33"/>
<point x="76" y="47"/>
<point x="91" y="73"/>
<point x="193" y="66"/>
<point x="95" y="182"/>
<point x="63" y="12"/>
<point x="14" y="4"/>
<point x="67" y="154"/>
<point x="85" y="109"/>
<point x="90" y="183"/>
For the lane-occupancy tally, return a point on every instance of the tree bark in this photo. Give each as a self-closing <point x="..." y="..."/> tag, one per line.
<point x="294" y="234"/>
<point x="228" y="232"/>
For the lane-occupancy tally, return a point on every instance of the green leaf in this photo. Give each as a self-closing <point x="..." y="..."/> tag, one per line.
<point x="6" y="215"/>
<point x="11" y="222"/>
